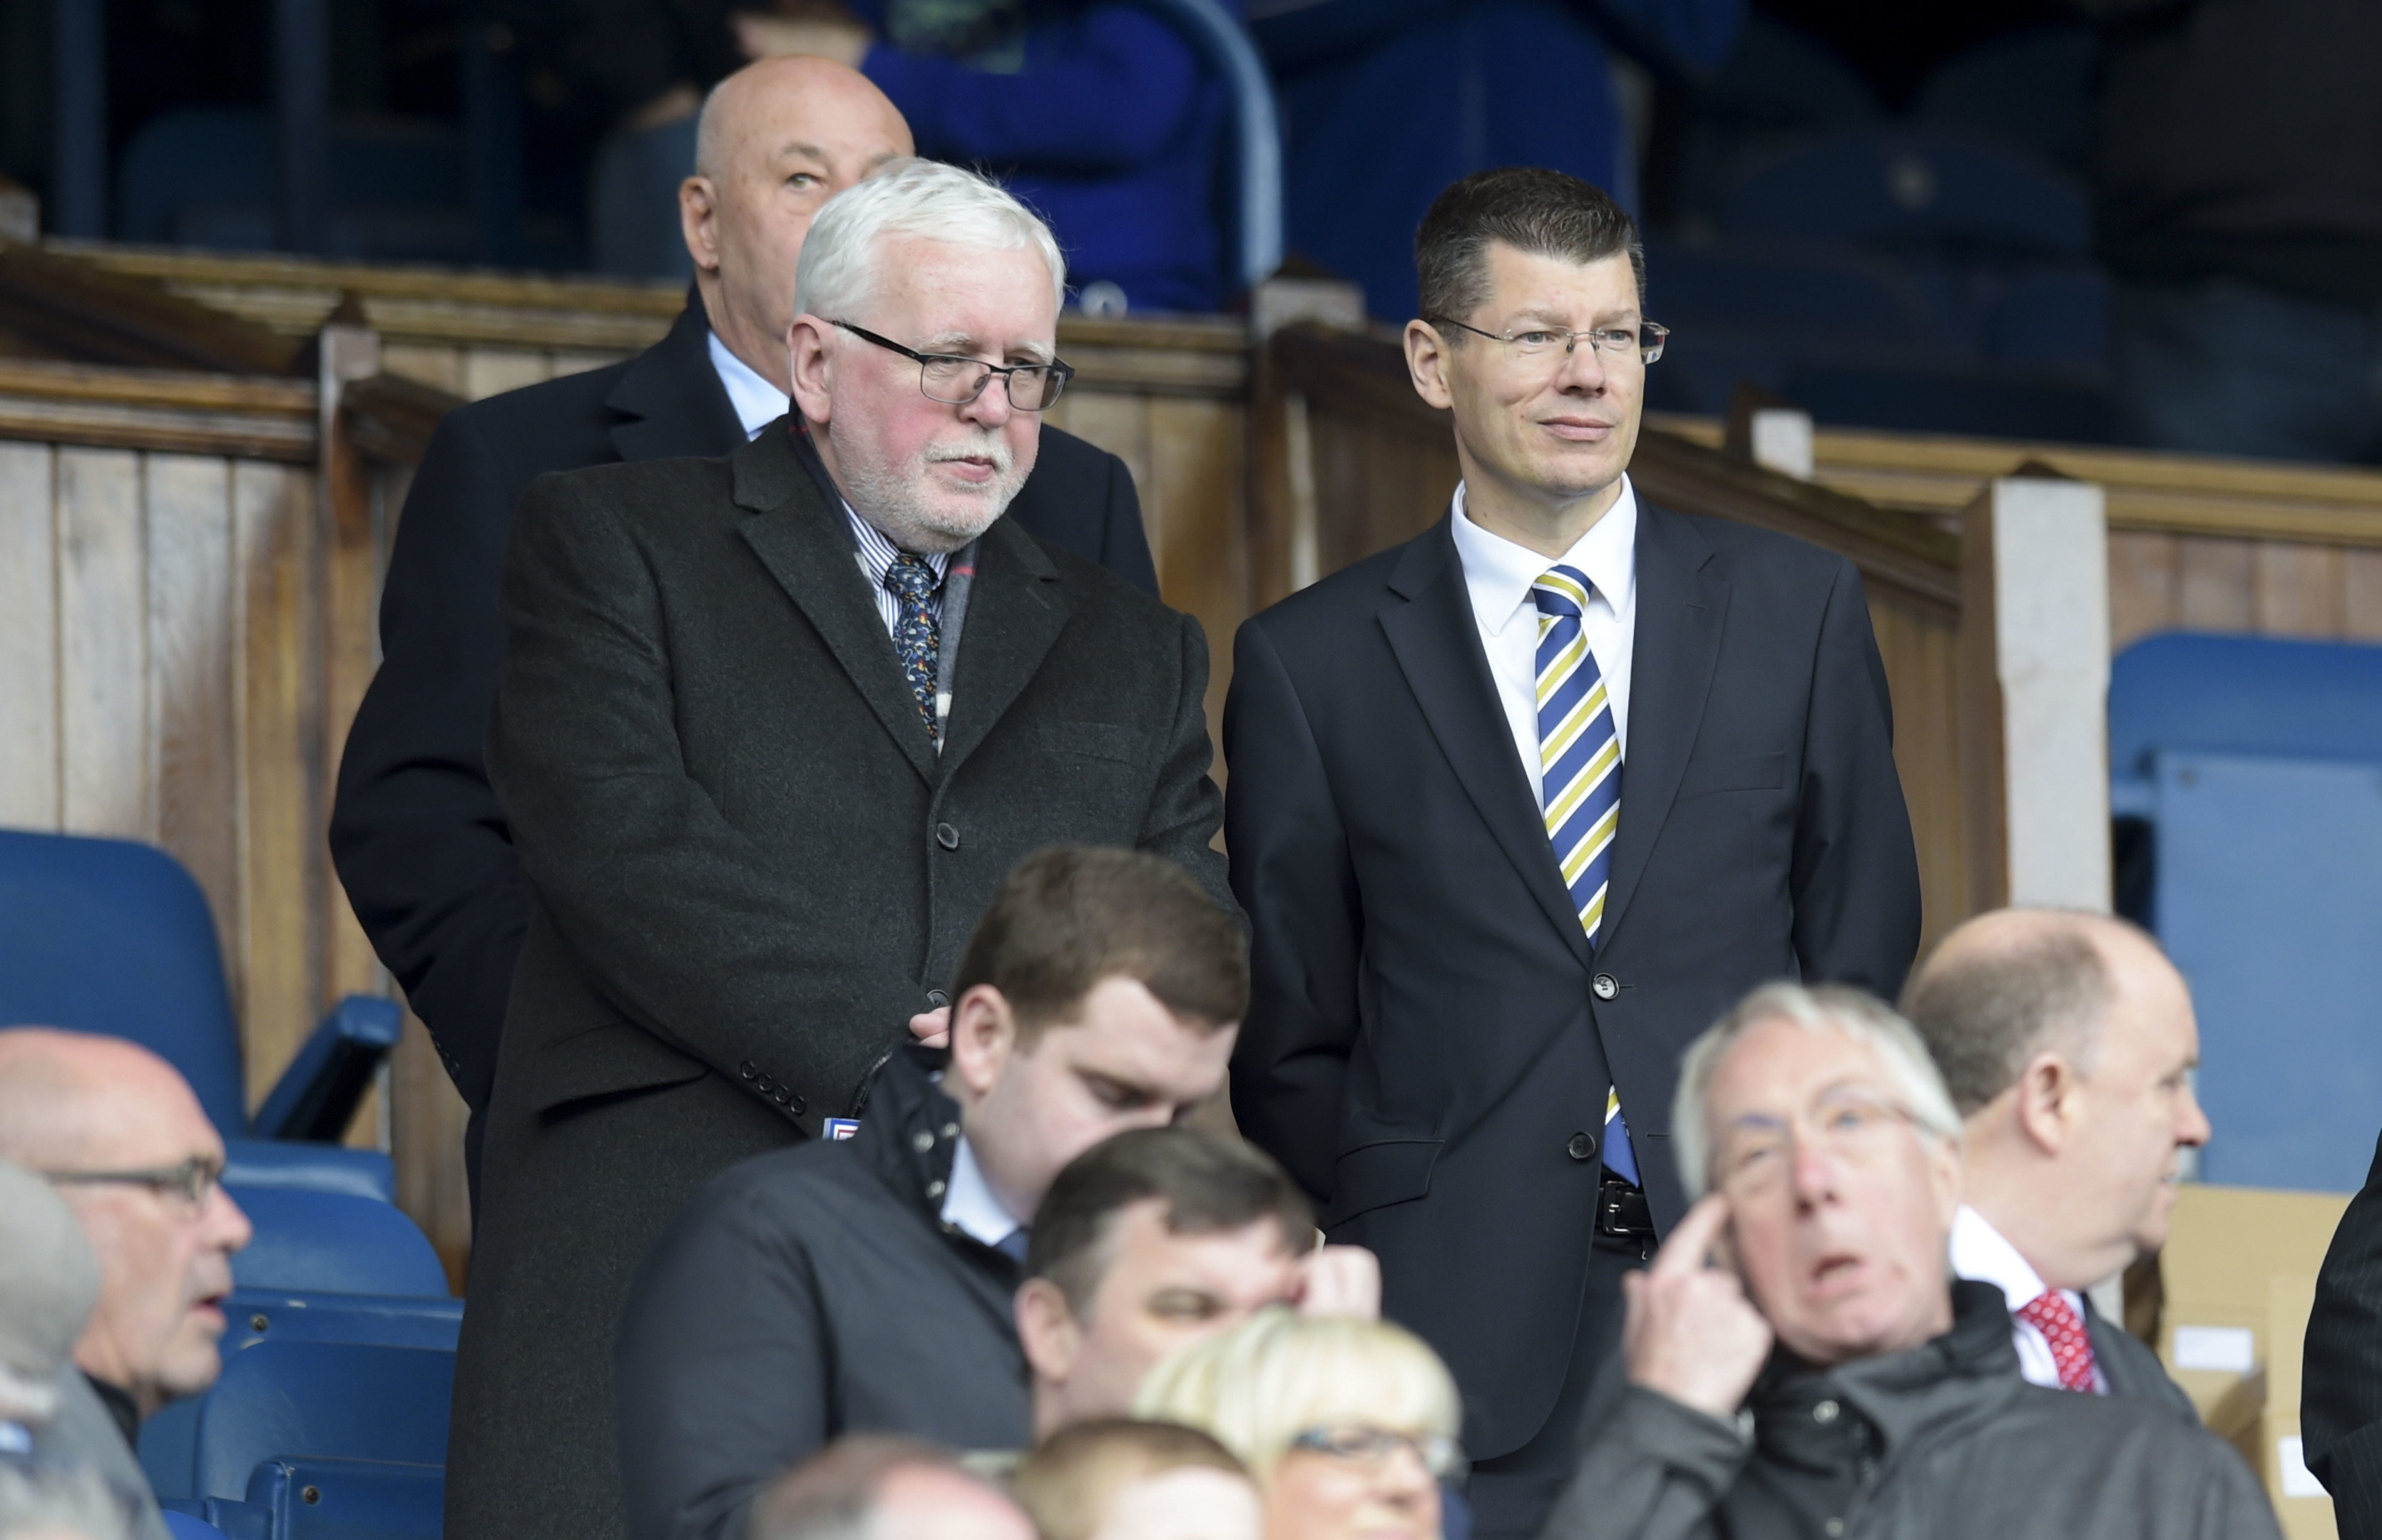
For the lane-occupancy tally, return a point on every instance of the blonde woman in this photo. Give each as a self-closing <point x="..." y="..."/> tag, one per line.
<point x="1349" y="1425"/>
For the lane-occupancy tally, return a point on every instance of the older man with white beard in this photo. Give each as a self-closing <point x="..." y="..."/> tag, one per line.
<point x="763" y="785"/>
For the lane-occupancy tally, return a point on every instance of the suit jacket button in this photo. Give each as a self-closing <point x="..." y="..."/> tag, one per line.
<point x="947" y="837"/>
<point x="936" y="999"/>
<point x="779" y="1094"/>
<point x="1580" y="1146"/>
<point x="745" y="1069"/>
<point x="795" y="1107"/>
<point x="1605" y="986"/>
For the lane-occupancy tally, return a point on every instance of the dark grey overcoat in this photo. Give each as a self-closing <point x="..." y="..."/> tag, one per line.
<point x="749" y="866"/>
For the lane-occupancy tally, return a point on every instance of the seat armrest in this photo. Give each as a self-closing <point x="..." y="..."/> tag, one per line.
<point x="318" y="1094"/>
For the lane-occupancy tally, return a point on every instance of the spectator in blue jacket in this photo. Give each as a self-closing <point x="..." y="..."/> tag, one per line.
<point x="1385" y="102"/>
<point x="1095" y="112"/>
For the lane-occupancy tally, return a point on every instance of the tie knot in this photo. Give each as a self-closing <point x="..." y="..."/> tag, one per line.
<point x="911" y="577"/>
<point x="1562" y="591"/>
<point x="2064" y="1331"/>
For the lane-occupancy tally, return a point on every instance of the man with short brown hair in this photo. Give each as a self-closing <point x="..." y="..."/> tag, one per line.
<point x="831" y="1287"/>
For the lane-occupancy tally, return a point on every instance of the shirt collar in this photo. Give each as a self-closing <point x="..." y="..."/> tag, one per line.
<point x="879" y="554"/>
<point x="1982" y="1252"/>
<point x="969" y="1202"/>
<point x="758" y="402"/>
<point x="1500" y="573"/>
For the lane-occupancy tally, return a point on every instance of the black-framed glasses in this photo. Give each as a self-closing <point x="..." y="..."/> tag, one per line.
<point x="194" y="1181"/>
<point x="1645" y="339"/>
<point x="1363" y="1443"/>
<point x="955" y="381"/>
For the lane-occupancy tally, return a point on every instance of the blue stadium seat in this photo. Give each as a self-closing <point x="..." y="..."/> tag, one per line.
<point x="184" y="1526"/>
<point x="2031" y="89"/>
<point x="322" y="1400"/>
<point x="1811" y="295"/>
<point x="108" y="936"/>
<point x="2250" y="770"/>
<point x="169" y="1439"/>
<point x="336" y="1499"/>
<point x="1915" y="193"/>
<point x="1968" y="402"/>
<point x="2057" y="319"/>
<point x="313" y="1242"/>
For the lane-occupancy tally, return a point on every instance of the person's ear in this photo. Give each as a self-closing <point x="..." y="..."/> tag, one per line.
<point x="2050" y="1097"/>
<point x="698" y="204"/>
<point x="984" y="1036"/>
<point x="1046" y="1330"/>
<point x="810" y="365"/>
<point x="1427" y="364"/>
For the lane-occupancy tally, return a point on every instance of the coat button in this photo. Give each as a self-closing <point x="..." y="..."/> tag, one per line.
<point x="947" y="837"/>
<point x="745" y="1069"/>
<point x="922" y="1141"/>
<point x="780" y="1095"/>
<point x="796" y="1106"/>
<point x="1825" y="1412"/>
<point x="936" y="999"/>
<point x="1605" y="986"/>
<point x="766" y="1085"/>
<point x="1580" y="1146"/>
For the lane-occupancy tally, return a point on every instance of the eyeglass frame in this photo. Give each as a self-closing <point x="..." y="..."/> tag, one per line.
<point x="1061" y="372"/>
<point x="1833" y="1099"/>
<point x="193" y="1181"/>
<point x="1442" y="1458"/>
<point x="1647" y="356"/>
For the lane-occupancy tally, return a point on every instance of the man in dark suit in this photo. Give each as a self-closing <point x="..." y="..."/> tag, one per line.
<point x="2068" y="1042"/>
<point x="2340" y="1386"/>
<point x="1519" y="807"/>
<point x="420" y="846"/>
<point x="763" y="784"/>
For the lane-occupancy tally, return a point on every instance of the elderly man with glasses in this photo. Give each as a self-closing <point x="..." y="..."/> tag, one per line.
<point x="1800" y="1361"/>
<point x="769" y="731"/>
<point x="120" y="1137"/>
<point x="1519" y="807"/>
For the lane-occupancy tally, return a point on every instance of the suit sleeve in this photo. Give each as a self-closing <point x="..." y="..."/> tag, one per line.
<point x="416" y="836"/>
<point x="1124" y="542"/>
<point x="1292" y="872"/>
<point x="2340" y="1394"/>
<point x="723" y="1371"/>
<point x="1185" y="811"/>
<point x="676" y="917"/>
<point x="1855" y="880"/>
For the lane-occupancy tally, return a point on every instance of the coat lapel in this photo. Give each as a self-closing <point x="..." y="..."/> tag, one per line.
<point x="1437" y="643"/>
<point x="671" y="398"/>
<point x="1016" y="608"/>
<point x="807" y="546"/>
<point x="1681" y="605"/>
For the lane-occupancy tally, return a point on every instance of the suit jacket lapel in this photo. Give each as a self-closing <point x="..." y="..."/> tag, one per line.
<point x="1681" y="606"/>
<point x="671" y="397"/>
<point x="807" y="546"/>
<point x="1437" y="643"/>
<point x="1016" y="608"/>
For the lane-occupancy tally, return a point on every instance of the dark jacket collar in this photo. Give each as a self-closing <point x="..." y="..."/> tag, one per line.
<point x="908" y="1134"/>
<point x="670" y="397"/>
<point x="1963" y="1375"/>
<point x="122" y="1409"/>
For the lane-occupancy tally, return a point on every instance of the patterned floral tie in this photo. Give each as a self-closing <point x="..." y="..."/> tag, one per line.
<point x="918" y="636"/>
<point x="2071" y="1346"/>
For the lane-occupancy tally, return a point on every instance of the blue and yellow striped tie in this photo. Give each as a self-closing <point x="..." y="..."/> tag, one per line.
<point x="1579" y="779"/>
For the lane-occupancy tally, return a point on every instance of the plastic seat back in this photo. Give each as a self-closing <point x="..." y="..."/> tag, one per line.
<point x="1915" y="193"/>
<point x="107" y="935"/>
<point x="313" y="1242"/>
<point x="327" y="1401"/>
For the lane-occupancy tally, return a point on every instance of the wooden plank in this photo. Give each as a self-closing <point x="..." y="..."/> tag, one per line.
<point x="493" y="370"/>
<point x="432" y="364"/>
<point x="192" y="720"/>
<point x="107" y="759"/>
<point x="2141" y="586"/>
<point x="2360" y="595"/>
<point x="561" y="361"/>
<point x="1920" y="650"/>
<point x="28" y="638"/>
<point x="2213" y="584"/>
<point x="281" y="802"/>
<point x="1197" y="476"/>
<point x="2297" y="588"/>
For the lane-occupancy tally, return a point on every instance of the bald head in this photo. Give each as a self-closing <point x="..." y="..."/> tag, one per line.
<point x="119" y="1132"/>
<point x="776" y="140"/>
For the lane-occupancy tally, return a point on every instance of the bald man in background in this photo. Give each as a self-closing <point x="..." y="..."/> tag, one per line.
<point x="2068" y="1042"/>
<point x="120" y="1137"/>
<point x="418" y="839"/>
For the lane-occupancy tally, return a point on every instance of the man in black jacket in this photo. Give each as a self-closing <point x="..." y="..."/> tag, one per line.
<point x="1830" y="1378"/>
<point x="424" y="852"/>
<point x="2340" y="1386"/>
<point x="763" y="785"/>
<point x="2068" y="1042"/>
<point x="1518" y="808"/>
<point x="834" y="1288"/>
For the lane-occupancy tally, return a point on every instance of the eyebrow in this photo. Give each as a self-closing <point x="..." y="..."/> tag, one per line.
<point x="960" y="342"/>
<point x="1535" y="315"/>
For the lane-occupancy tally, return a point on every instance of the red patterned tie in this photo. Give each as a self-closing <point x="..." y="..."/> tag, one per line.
<point x="2071" y="1347"/>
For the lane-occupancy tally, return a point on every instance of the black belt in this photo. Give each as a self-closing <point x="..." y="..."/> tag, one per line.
<point x="1621" y="1210"/>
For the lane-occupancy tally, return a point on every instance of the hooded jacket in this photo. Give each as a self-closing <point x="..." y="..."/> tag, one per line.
<point x="1943" y="1441"/>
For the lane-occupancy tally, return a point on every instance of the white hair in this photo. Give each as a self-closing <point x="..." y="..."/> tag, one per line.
<point x="837" y="273"/>
<point x="1824" y="1008"/>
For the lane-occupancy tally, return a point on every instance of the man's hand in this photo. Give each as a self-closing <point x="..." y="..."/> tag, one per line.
<point x="1339" y="1281"/>
<point x="933" y="1027"/>
<point x="1689" y="1332"/>
<point x="763" y="36"/>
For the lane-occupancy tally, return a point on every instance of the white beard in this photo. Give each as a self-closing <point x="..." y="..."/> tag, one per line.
<point x="897" y="500"/>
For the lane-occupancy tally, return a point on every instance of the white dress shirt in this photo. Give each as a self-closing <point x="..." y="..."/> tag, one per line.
<point x="758" y="402"/>
<point x="1499" y="574"/>
<point x="970" y="1203"/>
<point x="1984" y="1253"/>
